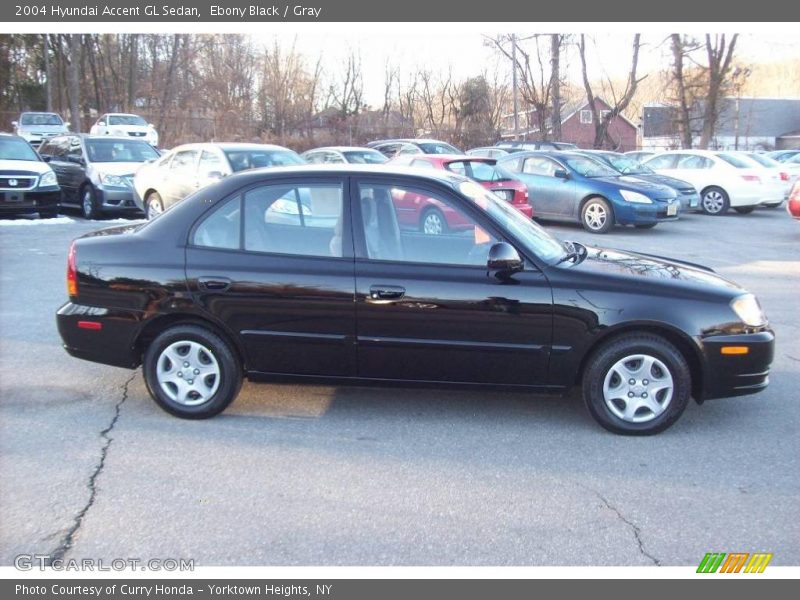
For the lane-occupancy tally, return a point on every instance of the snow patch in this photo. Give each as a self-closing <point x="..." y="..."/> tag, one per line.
<point x="23" y="222"/>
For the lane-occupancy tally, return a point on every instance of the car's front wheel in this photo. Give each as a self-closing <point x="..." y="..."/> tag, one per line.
<point x="154" y="205"/>
<point x="192" y="372"/>
<point x="597" y="216"/>
<point x="89" y="207"/>
<point x="637" y="384"/>
<point x="714" y="201"/>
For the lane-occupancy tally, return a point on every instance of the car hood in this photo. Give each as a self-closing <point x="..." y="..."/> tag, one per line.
<point x="30" y="166"/>
<point x="633" y="266"/>
<point x="116" y="168"/>
<point x="635" y="184"/>
<point x="656" y="178"/>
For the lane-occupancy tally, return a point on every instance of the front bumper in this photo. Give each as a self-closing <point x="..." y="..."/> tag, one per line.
<point x="630" y="213"/>
<point x="728" y="375"/>
<point x="27" y="202"/>
<point x="117" y="200"/>
<point x="689" y="201"/>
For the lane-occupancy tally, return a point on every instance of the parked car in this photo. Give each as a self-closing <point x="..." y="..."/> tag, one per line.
<point x="96" y="172"/>
<point x="344" y="154"/>
<point x="721" y="184"/>
<point x="188" y="168"/>
<point x="124" y="124"/>
<point x="793" y="204"/>
<point x="214" y="291"/>
<point x="640" y="155"/>
<point x="35" y="127"/>
<point x="776" y="177"/>
<point x="627" y="166"/>
<point x="523" y="145"/>
<point x="483" y="170"/>
<point x="27" y="183"/>
<point x="783" y="155"/>
<point x="569" y="186"/>
<point x="391" y="148"/>
<point x="489" y="152"/>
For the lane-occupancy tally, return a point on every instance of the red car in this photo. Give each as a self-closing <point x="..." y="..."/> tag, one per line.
<point x="793" y="205"/>
<point x="481" y="169"/>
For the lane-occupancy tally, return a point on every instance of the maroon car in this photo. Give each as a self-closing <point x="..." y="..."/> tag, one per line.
<point x="481" y="169"/>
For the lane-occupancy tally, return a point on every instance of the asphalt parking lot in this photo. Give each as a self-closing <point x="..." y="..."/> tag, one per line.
<point x="317" y="475"/>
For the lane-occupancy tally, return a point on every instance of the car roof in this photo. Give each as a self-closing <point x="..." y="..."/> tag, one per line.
<point x="410" y="141"/>
<point x="229" y="146"/>
<point x="340" y="149"/>
<point x="450" y="157"/>
<point x="39" y="112"/>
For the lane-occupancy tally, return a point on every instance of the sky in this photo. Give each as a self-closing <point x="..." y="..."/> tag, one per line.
<point x="410" y="47"/>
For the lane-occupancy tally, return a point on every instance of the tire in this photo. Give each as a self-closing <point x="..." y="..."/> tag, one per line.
<point x="206" y="352"/>
<point x="646" y="225"/>
<point x="153" y="205"/>
<point x="744" y="210"/>
<point x="639" y="408"/>
<point x="89" y="208"/>
<point x="597" y="216"/>
<point x="714" y="201"/>
<point x="433" y="222"/>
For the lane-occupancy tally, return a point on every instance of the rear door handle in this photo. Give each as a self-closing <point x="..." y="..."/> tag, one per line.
<point x="383" y="293"/>
<point x="214" y="284"/>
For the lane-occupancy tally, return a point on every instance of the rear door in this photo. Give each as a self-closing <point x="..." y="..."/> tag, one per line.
<point x="274" y="263"/>
<point x="426" y="308"/>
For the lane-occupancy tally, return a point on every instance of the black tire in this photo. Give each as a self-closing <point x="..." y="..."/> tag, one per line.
<point x="429" y="217"/>
<point x="153" y="205"/>
<point x="714" y="201"/>
<point x="604" y="364"/>
<point x="744" y="210"/>
<point x="228" y="367"/>
<point x="597" y="216"/>
<point x="89" y="208"/>
<point x="646" y="225"/>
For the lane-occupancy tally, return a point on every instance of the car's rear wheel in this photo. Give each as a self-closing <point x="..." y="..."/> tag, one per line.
<point x="714" y="201"/>
<point x="744" y="210"/>
<point x="433" y="222"/>
<point x="597" y="216"/>
<point x="154" y="205"/>
<point x="191" y="372"/>
<point x="637" y="384"/>
<point x="89" y="208"/>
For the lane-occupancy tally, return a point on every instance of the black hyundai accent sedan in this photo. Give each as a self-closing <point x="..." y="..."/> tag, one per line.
<point x="315" y="273"/>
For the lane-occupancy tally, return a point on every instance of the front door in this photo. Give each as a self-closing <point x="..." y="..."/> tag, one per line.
<point x="275" y="265"/>
<point x="551" y="196"/>
<point x="427" y="310"/>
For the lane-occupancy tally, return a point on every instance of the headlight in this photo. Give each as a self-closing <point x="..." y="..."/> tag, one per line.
<point x="48" y="180"/>
<point x="635" y="197"/>
<point x="113" y="180"/>
<point x="749" y="310"/>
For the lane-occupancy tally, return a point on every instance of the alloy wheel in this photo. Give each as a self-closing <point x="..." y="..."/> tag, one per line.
<point x="433" y="224"/>
<point x="595" y="216"/>
<point x="713" y="201"/>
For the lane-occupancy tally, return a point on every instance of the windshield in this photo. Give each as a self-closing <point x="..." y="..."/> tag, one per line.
<point x="126" y="120"/>
<point x="589" y="167"/>
<point x="119" y="151"/>
<point x="364" y="157"/>
<point x="40" y="119"/>
<point x="764" y="161"/>
<point x="478" y="170"/>
<point x="16" y="149"/>
<point x="737" y="161"/>
<point x="438" y="148"/>
<point x="536" y="239"/>
<point x="626" y="165"/>
<point x="242" y="160"/>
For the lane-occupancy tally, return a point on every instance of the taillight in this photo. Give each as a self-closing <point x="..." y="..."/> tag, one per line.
<point x="754" y="178"/>
<point x="72" y="272"/>
<point x="784" y="176"/>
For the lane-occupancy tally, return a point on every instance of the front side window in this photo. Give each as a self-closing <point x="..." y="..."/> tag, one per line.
<point x="665" y="161"/>
<point x="539" y="165"/>
<point x="694" y="162"/>
<point x="303" y="220"/>
<point x="406" y="224"/>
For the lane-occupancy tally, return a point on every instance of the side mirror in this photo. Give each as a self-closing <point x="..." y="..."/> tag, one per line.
<point x="14" y="123"/>
<point x="45" y="157"/>
<point x="67" y="124"/>
<point x="504" y="260"/>
<point x="561" y="174"/>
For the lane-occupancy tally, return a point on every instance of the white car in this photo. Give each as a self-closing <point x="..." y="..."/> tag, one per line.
<point x="783" y="175"/>
<point x="125" y="125"/>
<point x="36" y="127"/>
<point x="721" y="184"/>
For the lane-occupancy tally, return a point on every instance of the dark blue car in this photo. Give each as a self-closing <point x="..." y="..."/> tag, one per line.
<point x="568" y="186"/>
<point x="626" y="165"/>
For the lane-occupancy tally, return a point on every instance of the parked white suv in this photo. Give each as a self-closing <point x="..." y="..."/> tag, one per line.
<point x="721" y="184"/>
<point x="125" y="125"/>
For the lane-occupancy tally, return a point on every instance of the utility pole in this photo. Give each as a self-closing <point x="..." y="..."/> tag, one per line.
<point x="514" y="84"/>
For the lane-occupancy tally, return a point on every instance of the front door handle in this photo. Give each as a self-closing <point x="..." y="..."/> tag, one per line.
<point x="214" y="284"/>
<point x="386" y="293"/>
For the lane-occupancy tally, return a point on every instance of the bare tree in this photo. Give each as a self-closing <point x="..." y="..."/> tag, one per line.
<point x="685" y="85"/>
<point x="619" y="101"/>
<point x="720" y="57"/>
<point x="556" y="42"/>
<point x="73" y="79"/>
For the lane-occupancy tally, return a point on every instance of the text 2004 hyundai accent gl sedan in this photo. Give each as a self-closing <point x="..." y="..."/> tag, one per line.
<point x="308" y="272"/>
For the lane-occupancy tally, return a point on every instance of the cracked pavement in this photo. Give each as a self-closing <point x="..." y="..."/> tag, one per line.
<point x="315" y="475"/>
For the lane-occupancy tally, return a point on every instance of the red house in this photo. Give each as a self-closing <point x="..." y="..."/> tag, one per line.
<point x="577" y="127"/>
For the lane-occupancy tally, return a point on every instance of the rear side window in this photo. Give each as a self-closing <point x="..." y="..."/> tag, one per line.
<point x="667" y="161"/>
<point x="221" y="229"/>
<point x="695" y="162"/>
